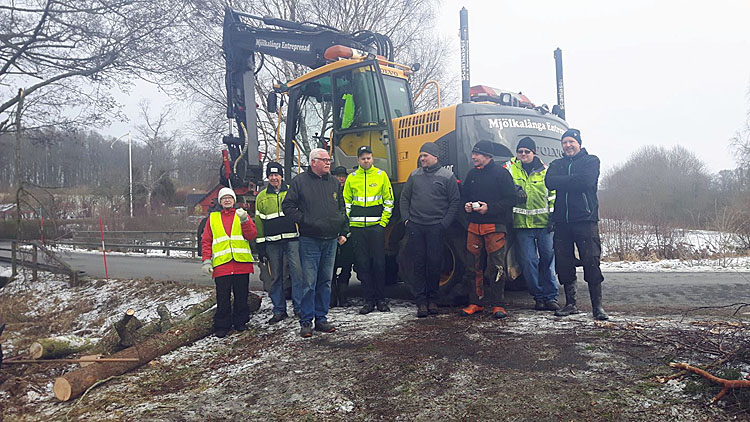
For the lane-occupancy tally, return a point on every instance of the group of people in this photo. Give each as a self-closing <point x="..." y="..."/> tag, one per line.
<point x="322" y="223"/>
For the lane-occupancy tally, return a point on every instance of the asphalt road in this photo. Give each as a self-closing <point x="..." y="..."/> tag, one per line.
<point x="621" y="290"/>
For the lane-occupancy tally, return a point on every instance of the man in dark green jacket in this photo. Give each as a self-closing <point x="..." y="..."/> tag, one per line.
<point x="277" y="239"/>
<point x="575" y="177"/>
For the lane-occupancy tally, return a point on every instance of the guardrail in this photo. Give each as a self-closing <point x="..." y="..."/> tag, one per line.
<point x="135" y="241"/>
<point x="29" y="257"/>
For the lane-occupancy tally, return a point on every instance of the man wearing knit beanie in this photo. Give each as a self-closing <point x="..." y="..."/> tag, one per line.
<point x="278" y="241"/>
<point x="531" y="222"/>
<point x="575" y="177"/>
<point x="428" y="204"/>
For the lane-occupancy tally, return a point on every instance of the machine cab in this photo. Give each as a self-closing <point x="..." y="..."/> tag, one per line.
<point x="342" y="106"/>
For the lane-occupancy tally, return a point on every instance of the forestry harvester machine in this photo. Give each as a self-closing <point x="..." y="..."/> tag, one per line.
<point x="357" y="95"/>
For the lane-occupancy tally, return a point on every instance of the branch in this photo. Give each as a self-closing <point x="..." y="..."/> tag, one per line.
<point x="31" y="39"/>
<point x="728" y="384"/>
<point x="83" y="72"/>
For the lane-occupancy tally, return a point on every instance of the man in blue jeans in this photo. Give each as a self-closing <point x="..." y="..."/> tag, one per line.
<point x="314" y="202"/>
<point x="277" y="239"/>
<point x="532" y="226"/>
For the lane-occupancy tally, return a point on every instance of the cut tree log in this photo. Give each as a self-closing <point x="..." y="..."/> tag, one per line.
<point x="56" y="347"/>
<point x="74" y="383"/>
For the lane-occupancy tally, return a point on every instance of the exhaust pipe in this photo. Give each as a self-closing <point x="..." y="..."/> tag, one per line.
<point x="464" y="30"/>
<point x="560" y="88"/>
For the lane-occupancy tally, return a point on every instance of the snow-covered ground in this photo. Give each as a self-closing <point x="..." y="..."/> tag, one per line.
<point x="731" y="265"/>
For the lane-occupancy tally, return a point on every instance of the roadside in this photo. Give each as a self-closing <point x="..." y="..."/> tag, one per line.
<point x="384" y="366"/>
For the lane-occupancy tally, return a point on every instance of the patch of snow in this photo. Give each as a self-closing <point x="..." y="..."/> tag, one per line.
<point x="735" y="264"/>
<point x="5" y="271"/>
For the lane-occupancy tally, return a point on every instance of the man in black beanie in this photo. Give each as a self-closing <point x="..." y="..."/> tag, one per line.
<point x="428" y="205"/>
<point x="488" y="195"/>
<point x="278" y="240"/>
<point x="575" y="177"/>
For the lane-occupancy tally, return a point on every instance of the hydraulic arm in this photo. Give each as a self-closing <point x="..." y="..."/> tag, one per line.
<point x="246" y="42"/>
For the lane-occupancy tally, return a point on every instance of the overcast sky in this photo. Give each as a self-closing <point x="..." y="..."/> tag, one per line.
<point x="636" y="72"/>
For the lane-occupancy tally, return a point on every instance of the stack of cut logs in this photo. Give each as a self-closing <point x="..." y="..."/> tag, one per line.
<point x="129" y="344"/>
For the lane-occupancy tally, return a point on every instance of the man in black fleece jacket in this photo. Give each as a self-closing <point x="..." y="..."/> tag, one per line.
<point x="575" y="177"/>
<point x="428" y="205"/>
<point x="488" y="194"/>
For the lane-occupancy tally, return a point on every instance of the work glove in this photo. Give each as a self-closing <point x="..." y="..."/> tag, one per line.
<point x="262" y="253"/>
<point x="242" y="214"/>
<point x="521" y="195"/>
<point x="550" y="227"/>
<point x="207" y="268"/>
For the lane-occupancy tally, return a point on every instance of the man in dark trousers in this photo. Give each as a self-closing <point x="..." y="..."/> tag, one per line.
<point x="342" y="268"/>
<point x="369" y="204"/>
<point x="575" y="177"/>
<point x="488" y="195"/>
<point x="313" y="202"/>
<point x="428" y="205"/>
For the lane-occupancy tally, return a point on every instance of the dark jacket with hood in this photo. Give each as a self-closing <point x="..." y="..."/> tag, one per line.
<point x="316" y="205"/>
<point x="575" y="179"/>
<point x="494" y="185"/>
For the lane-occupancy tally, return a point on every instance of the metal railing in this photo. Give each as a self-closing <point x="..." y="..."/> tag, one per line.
<point x="27" y="254"/>
<point x="135" y="241"/>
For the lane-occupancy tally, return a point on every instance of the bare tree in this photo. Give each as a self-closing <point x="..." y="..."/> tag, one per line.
<point x="159" y="140"/>
<point x="199" y="74"/>
<point x="67" y="54"/>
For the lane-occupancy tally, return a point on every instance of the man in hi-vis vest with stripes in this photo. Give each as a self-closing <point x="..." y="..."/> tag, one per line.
<point x="368" y="197"/>
<point x="228" y="258"/>
<point x="277" y="239"/>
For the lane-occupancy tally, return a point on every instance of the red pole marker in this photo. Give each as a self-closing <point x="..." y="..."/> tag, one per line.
<point x="104" y="253"/>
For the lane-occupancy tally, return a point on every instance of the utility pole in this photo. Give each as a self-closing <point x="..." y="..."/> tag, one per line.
<point x="18" y="163"/>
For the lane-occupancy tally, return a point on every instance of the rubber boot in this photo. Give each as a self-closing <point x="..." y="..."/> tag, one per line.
<point x="570" y="301"/>
<point x="342" y="285"/>
<point x="334" y="292"/>
<point x="595" y="291"/>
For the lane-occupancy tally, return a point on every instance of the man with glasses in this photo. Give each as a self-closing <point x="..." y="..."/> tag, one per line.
<point x="532" y="227"/>
<point x="314" y="203"/>
<point x="369" y="204"/>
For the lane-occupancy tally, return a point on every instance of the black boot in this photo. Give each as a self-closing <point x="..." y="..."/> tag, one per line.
<point x="570" y="301"/>
<point x="595" y="291"/>
<point x="334" y="293"/>
<point x="343" y="284"/>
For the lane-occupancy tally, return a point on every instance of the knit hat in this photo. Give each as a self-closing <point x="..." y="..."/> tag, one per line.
<point x="527" y="143"/>
<point x="363" y="149"/>
<point x="573" y="133"/>
<point x="431" y="148"/>
<point x="225" y="192"/>
<point x="274" y="168"/>
<point x="339" y="170"/>
<point x="484" y="148"/>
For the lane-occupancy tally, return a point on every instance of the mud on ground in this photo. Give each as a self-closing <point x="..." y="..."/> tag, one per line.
<point x="393" y="366"/>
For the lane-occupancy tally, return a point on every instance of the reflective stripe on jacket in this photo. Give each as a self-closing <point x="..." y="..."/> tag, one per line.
<point x="226" y="248"/>
<point x="270" y="220"/>
<point x="368" y="197"/>
<point x="540" y="201"/>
